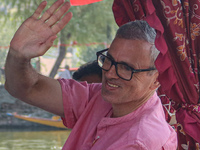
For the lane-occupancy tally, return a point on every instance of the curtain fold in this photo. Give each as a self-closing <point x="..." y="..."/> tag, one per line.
<point x="177" y="23"/>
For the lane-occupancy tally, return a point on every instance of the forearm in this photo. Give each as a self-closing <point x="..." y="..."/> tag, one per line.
<point x="24" y="83"/>
<point x="20" y="75"/>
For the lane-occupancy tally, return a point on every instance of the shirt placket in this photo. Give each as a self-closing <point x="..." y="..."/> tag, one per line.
<point x="101" y="129"/>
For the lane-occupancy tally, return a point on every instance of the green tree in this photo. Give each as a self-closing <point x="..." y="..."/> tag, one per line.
<point x="88" y="53"/>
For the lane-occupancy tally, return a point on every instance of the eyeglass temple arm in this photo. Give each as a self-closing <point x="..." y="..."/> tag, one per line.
<point x="143" y="70"/>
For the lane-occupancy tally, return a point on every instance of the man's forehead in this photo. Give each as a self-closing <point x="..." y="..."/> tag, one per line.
<point x="130" y="51"/>
<point x="129" y="45"/>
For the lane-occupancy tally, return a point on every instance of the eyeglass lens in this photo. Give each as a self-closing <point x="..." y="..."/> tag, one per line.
<point x="122" y="70"/>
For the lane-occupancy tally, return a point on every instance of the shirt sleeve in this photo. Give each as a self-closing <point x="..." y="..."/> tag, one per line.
<point x="75" y="98"/>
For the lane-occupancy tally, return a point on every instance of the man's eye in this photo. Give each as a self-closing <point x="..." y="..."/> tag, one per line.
<point x="125" y="67"/>
<point x="128" y="68"/>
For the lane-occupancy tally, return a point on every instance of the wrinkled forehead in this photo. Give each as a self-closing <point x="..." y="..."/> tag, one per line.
<point x="129" y="46"/>
<point x="130" y="51"/>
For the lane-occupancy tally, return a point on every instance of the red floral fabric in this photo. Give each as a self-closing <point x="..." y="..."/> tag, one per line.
<point x="167" y="106"/>
<point x="177" y="23"/>
<point x="82" y="2"/>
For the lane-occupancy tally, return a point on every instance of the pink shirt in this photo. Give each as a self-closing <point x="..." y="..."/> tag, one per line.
<point x="93" y="129"/>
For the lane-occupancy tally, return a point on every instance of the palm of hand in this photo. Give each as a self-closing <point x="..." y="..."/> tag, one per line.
<point x="36" y="35"/>
<point x="30" y="38"/>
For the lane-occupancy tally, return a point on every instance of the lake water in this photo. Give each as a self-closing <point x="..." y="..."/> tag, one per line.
<point x="33" y="140"/>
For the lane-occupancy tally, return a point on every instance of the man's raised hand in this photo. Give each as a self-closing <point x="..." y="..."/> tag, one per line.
<point x="36" y="35"/>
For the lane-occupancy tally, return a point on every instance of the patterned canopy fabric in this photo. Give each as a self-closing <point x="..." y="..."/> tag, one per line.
<point x="82" y="2"/>
<point x="177" y="23"/>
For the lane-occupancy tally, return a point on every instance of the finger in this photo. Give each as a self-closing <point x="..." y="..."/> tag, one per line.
<point x="61" y="24"/>
<point x="56" y="17"/>
<point x="39" y="10"/>
<point x="49" y="12"/>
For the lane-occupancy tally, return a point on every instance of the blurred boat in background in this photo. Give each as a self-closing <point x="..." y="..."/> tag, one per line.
<point x="55" y="121"/>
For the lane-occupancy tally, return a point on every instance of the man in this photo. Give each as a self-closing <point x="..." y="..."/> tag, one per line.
<point x="122" y="113"/>
<point x="65" y="74"/>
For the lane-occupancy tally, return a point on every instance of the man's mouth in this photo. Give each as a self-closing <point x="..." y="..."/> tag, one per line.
<point x="113" y="85"/>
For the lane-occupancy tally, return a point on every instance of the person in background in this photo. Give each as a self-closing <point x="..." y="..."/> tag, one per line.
<point x="121" y="113"/>
<point x="65" y="74"/>
<point x="90" y="72"/>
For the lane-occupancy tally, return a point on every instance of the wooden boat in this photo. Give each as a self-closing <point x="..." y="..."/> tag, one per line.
<point x="55" y="121"/>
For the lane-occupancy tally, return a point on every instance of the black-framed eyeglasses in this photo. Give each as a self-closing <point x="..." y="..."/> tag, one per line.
<point x="122" y="69"/>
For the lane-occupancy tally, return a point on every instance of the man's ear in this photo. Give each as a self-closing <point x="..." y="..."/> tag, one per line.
<point x="155" y="83"/>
